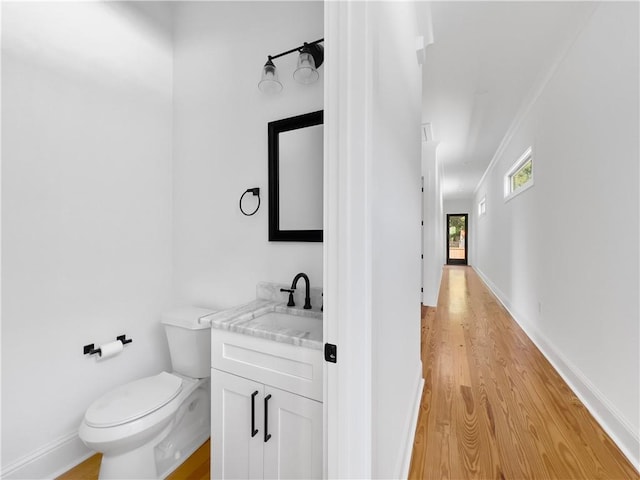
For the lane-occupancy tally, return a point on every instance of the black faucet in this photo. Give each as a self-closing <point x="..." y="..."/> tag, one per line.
<point x="307" y="298"/>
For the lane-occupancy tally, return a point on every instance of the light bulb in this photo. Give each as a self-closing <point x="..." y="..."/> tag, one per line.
<point x="306" y="72"/>
<point x="269" y="82"/>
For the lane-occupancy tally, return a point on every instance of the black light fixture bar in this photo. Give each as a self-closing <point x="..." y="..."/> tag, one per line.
<point x="297" y="49"/>
<point x="311" y="57"/>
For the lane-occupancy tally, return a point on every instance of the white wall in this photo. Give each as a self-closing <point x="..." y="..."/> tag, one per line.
<point x="433" y="230"/>
<point x="89" y="129"/>
<point x="86" y="216"/>
<point x="457" y="206"/>
<point x="563" y="255"/>
<point x="395" y="215"/>
<point x="220" y="145"/>
<point x="373" y="247"/>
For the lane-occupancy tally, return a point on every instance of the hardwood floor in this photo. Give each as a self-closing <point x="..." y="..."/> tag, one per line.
<point x="492" y="406"/>
<point x="196" y="467"/>
<point x="87" y="470"/>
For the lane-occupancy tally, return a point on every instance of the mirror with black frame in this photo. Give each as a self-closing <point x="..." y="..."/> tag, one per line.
<point x="295" y="178"/>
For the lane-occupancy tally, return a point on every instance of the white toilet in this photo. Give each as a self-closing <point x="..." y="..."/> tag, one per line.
<point x="146" y="428"/>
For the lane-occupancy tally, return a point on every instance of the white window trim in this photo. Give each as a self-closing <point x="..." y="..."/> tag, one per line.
<point x="508" y="194"/>
<point x="482" y="207"/>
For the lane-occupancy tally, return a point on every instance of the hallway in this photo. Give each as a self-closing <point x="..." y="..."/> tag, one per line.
<point x="492" y="406"/>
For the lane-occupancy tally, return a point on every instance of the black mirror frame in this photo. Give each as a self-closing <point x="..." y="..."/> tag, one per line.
<point x="274" y="129"/>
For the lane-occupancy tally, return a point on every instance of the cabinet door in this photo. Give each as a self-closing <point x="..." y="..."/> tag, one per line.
<point x="295" y="424"/>
<point x="236" y="448"/>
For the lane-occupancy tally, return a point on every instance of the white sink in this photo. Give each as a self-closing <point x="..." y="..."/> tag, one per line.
<point x="285" y="322"/>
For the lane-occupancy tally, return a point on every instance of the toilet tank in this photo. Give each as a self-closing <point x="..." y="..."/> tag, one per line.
<point x="189" y="341"/>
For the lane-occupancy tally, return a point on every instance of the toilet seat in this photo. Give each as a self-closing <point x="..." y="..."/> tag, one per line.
<point x="133" y="400"/>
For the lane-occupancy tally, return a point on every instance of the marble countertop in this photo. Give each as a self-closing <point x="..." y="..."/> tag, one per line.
<point x="253" y="319"/>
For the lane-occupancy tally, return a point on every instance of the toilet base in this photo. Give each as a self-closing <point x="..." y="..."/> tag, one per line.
<point x="139" y="463"/>
<point x="171" y="446"/>
<point x="192" y="429"/>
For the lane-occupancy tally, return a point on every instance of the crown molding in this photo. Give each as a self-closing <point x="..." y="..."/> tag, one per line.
<point x="532" y="96"/>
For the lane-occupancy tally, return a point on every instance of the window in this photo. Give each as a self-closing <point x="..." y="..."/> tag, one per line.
<point x="482" y="207"/>
<point x="520" y="176"/>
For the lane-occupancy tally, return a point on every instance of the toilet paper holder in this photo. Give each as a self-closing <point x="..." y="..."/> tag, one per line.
<point x="90" y="349"/>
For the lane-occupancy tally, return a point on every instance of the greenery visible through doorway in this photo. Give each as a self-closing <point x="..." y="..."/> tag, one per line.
<point x="457" y="238"/>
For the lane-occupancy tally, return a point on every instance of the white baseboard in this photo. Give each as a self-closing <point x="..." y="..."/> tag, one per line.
<point x="411" y="424"/>
<point x="49" y="461"/>
<point x="605" y="414"/>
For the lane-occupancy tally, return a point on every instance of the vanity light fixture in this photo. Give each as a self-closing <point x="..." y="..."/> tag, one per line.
<point x="310" y="58"/>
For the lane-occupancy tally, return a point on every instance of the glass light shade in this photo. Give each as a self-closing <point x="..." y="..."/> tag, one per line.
<point x="269" y="82"/>
<point x="306" y="72"/>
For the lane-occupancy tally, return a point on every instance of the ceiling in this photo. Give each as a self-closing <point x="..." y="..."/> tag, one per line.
<point x="485" y="59"/>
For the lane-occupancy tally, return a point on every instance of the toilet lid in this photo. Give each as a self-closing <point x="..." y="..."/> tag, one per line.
<point x="133" y="400"/>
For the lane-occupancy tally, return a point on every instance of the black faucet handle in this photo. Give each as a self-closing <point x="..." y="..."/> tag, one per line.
<point x="290" y="291"/>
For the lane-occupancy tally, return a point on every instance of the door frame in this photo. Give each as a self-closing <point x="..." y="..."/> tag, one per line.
<point x="457" y="261"/>
<point x="347" y="252"/>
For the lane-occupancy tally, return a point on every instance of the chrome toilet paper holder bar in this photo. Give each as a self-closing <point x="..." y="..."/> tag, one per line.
<point x="91" y="348"/>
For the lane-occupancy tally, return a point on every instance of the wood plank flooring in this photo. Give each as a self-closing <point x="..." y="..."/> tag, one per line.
<point x="492" y="406"/>
<point x="87" y="470"/>
<point x="196" y="467"/>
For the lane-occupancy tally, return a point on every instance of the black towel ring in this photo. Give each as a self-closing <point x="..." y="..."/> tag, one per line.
<point x="256" y="193"/>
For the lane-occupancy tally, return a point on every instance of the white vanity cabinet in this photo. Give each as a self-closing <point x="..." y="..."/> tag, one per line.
<point x="266" y="417"/>
<point x="235" y="452"/>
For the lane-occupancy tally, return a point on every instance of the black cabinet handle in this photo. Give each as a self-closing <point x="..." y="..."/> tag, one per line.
<point x="267" y="435"/>
<point x="254" y="430"/>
